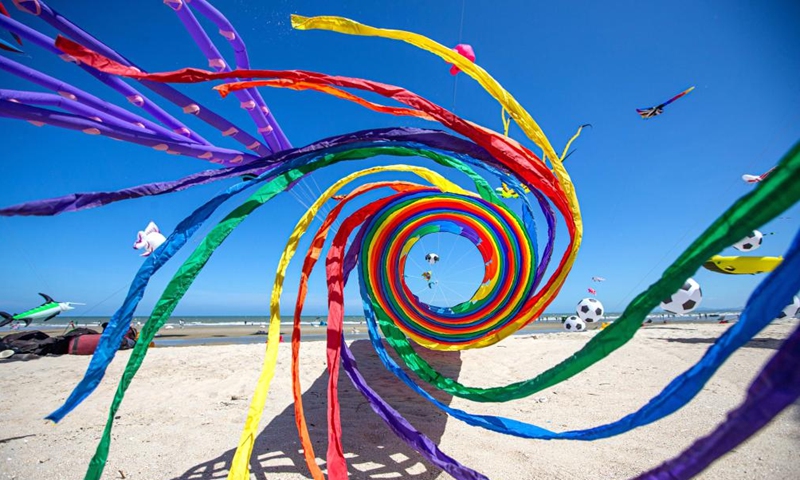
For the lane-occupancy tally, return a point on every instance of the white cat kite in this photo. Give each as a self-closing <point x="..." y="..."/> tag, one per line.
<point x="149" y="239"/>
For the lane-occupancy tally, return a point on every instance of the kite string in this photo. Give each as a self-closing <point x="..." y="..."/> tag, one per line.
<point x="87" y="311"/>
<point x="27" y="258"/>
<point x="455" y="91"/>
<point x="461" y="27"/>
<point x="460" y="37"/>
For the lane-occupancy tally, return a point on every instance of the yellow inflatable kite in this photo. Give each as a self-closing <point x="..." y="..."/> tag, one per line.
<point x="742" y="265"/>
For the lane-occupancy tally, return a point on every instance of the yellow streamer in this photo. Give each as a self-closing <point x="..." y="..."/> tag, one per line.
<point x="240" y="465"/>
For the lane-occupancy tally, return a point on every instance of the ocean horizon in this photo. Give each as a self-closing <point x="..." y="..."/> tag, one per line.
<point x="314" y="320"/>
<point x="198" y="320"/>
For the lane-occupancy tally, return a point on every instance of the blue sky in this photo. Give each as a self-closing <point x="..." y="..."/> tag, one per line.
<point x="646" y="188"/>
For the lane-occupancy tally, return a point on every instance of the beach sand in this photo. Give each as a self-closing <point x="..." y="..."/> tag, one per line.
<point x="183" y="414"/>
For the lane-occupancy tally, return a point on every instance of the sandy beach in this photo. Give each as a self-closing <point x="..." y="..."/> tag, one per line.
<point x="183" y="414"/>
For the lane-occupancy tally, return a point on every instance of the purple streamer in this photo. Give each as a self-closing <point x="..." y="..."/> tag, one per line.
<point x="401" y="427"/>
<point x="130" y="93"/>
<point x="242" y="61"/>
<point x="66" y="90"/>
<point x="80" y="109"/>
<point x="82" y="201"/>
<point x="42" y="116"/>
<point x="218" y="63"/>
<point x="166" y="91"/>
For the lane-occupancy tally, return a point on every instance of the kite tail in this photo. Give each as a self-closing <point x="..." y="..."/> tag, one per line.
<point x="574" y="137"/>
<point x="678" y="96"/>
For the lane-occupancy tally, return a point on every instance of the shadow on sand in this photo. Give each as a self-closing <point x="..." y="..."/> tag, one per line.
<point x="372" y="449"/>
<point x="770" y="343"/>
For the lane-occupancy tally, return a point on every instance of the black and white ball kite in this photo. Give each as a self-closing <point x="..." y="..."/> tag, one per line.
<point x="590" y="310"/>
<point x="684" y="300"/>
<point x="790" y="311"/>
<point x="750" y="242"/>
<point x="574" y="324"/>
<point x="431" y="258"/>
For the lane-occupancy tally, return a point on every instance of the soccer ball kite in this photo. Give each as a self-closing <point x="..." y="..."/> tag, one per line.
<point x="684" y="300"/>
<point x="590" y="310"/>
<point x="574" y="324"/>
<point x="750" y="242"/>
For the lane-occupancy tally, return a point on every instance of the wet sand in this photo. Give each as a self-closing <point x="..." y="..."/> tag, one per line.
<point x="193" y="335"/>
<point x="256" y="333"/>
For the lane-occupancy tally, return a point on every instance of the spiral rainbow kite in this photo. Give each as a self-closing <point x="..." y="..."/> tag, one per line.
<point x="514" y="289"/>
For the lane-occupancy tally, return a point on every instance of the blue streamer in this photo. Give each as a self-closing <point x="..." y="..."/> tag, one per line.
<point x="768" y="299"/>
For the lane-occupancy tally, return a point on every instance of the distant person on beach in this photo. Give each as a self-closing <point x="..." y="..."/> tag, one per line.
<point x="181" y="322"/>
<point x="129" y="340"/>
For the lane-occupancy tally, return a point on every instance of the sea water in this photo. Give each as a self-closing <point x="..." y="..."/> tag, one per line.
<point x="63" y="321"/>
